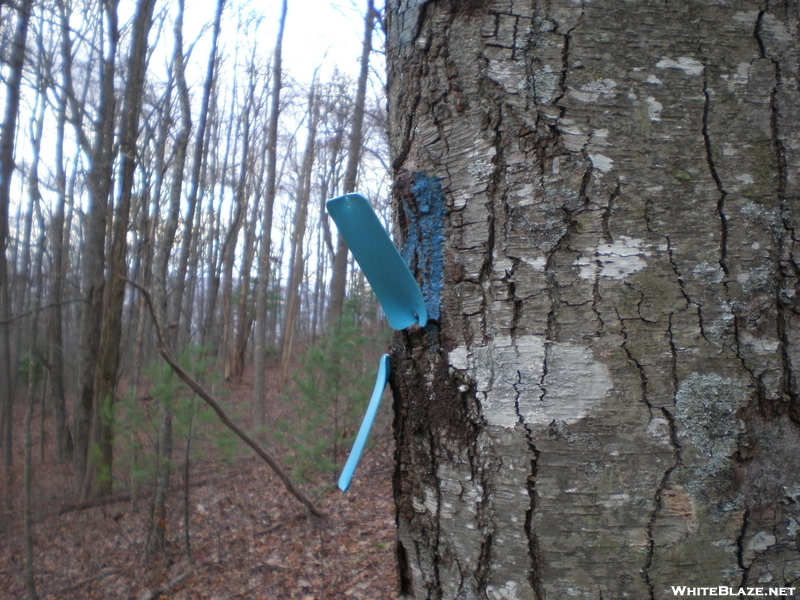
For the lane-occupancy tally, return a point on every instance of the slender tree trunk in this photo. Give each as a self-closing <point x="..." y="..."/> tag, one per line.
<point x="27" y="517"/>
<point x="7" y="135"/>
<point x="94" y="248"/>
<point x="194" y="185"/>
<point x="223" y="282"/>
<point x="600" y="201"/>
<point x="264" y="271"/>
<point x="158" y="530"/>
<point x="109" y="349"/>
<point x="56" y="335"/>
<point x="35" y="280"/>
<point x="236" y="328"/>
<point x="296" y="260"/>
<point x="158" y="523"/>
<point x="339" y="277"/>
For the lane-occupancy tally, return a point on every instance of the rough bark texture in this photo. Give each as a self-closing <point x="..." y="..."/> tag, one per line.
<point x="600" y="202"/>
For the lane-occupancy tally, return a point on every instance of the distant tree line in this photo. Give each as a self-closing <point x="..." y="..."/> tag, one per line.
<point x="121" y="159"/>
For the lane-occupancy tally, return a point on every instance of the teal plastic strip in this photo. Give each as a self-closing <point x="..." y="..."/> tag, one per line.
<point x="384" y="268"/>
<point x="366" y="424"/>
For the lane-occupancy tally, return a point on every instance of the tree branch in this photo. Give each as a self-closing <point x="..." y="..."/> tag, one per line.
<point x="273" y="463"/>
<point x="40" y="309"/>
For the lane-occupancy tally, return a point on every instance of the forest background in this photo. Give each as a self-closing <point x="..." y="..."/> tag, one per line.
<point x="164" y="168"/>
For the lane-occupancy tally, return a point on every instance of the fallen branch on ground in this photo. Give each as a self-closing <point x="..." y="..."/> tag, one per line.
<point x="271" y="461"/>
<point x="124" y="496"/>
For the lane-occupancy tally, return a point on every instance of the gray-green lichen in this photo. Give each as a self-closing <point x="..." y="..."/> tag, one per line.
<point x="706" y="413"/>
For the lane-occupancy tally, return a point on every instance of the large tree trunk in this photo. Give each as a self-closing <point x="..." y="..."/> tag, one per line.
<point x="599" y="200"/>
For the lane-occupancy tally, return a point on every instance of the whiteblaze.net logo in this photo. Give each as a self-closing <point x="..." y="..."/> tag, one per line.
<point x="683" y="591"/>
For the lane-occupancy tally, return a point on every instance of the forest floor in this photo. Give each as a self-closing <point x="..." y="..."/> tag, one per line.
<point x="249" y="538"/>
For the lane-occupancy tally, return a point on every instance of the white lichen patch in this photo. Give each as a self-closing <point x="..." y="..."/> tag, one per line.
<point x="480" y="169"/>
<point x="618" y="260"/>
<point x="601" y="162"/>
<point x="537" y="264"/>
<point x="458" y="358"/>
<point x="520" y="379"/>
<point x="599" y="137"/>
<point x="506" y="592"/>
<point x="573" y="136"/>
<point x="592" y="92"/>
<point x="768" y="219"/>
<point x="575" y="383"/>
<point x="729" y="150"/>
<point x="526" y="195"/>
<point x="658" y="428"/>
<point x="687" y="64"/>
<point x="745" y="179"/>
<point x="654" y="108"/>
<point x="508" y="74"/>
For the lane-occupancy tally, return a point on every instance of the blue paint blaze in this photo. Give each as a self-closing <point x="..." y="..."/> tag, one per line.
<point x="424" y="244"/>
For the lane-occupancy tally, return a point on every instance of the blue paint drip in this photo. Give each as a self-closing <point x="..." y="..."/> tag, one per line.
<point x="424" y="242"/>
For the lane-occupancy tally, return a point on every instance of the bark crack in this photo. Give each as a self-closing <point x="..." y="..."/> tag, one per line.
<point x="723" y="195"/>
<point x="740" y="547"/>
<point x="787" y="267"/>
<point x="664" y="481"/>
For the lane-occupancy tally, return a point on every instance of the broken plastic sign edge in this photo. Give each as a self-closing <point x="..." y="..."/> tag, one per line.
<point x="366" y="424"/>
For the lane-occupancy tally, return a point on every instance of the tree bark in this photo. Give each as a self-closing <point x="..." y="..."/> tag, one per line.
<point x="8" y="368"/>
<point x="109" y="355"/>
<point x="156" y="540"/>
<point x="600" y="203"/>
<point x="94" y="247"/>
<point x="59" y="262"/>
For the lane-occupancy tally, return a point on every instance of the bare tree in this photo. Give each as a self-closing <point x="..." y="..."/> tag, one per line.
<point x="94" y="250"/>
<point x="157" y="536"/>
<point x="7" y="135"/>
<point x="296" y="258"/>
<point x="187" y="237"/>
<point x="339" y="277"/>
<point x="264" y="271"/>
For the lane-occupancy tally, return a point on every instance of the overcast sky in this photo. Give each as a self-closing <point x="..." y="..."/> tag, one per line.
<point x="318" y="32"/>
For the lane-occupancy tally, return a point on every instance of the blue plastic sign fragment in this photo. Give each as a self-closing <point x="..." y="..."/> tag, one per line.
<point x="366" y="424"/>
<point x="384" y="268"/>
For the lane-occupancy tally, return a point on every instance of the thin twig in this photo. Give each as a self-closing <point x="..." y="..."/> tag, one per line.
<point x="273" y="463"/>
<point x="40" y="309"/>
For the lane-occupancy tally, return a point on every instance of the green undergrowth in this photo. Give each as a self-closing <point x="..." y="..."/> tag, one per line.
<point x="323" y="405"/>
